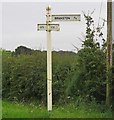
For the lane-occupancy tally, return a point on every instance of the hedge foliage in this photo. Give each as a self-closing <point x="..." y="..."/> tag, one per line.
<point x="25" y="75"/>
<point x="78" y="76"/>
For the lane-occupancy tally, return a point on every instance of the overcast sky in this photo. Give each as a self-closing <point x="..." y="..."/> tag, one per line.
<point x="20" y="19"/>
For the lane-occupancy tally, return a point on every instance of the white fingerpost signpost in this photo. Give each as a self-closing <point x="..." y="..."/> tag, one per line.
<point x="53" y="27"/>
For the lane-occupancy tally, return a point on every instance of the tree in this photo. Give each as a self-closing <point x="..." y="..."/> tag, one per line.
<point x="89" y="81"/>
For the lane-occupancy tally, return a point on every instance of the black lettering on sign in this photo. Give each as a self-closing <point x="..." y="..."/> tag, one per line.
<point x="60" y="18"/>
<point x="41" y="27"/>
<point x="75" y="18"/>
<point x="67" y="18"/>
<point x="52" y="27"/>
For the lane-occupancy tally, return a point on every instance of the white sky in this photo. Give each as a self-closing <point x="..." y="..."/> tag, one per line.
<point x="19" y="21"/>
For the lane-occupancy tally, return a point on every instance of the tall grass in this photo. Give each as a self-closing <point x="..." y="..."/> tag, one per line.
<point x="16" y="110"/>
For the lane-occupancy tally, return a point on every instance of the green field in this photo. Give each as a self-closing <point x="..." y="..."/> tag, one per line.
<point x="15" y="110"/>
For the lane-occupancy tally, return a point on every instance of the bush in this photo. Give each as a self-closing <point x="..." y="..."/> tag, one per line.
<point x="24" y="76"/>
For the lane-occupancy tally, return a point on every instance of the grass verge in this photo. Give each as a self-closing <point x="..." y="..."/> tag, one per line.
<point x="19" y="110"/>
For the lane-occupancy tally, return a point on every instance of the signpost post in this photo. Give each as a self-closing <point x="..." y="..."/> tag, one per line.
<point x="49" y="60"/>
<point x="53" y="27"/>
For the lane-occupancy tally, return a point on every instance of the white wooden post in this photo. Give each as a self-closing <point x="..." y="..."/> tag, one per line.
<point x="49" y="59"/>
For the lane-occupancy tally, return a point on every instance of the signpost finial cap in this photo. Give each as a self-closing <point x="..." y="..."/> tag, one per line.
<point x="48" y="8"/>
